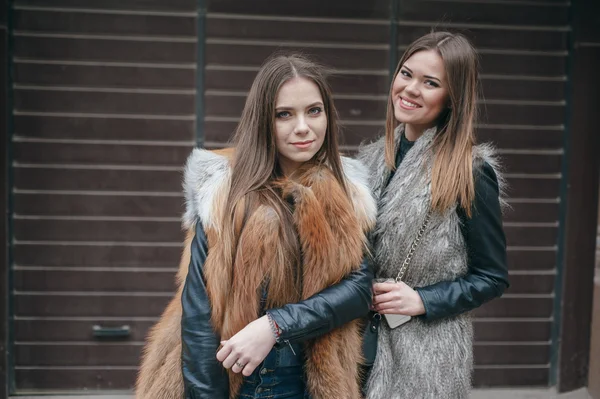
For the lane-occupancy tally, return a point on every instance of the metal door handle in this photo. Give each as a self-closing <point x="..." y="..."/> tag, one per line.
<point x="111" y="332"/>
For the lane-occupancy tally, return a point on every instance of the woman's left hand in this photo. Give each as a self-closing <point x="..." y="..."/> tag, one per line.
<point x="397" y="298"/>
<point x="247" y="348"/>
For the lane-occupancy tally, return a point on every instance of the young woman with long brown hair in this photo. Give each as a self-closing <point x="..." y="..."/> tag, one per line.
<point x="272" y="275"/>
<point x="439" y="246"/>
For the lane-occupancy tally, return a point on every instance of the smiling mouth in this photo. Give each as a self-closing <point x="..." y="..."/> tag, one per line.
<point x="408" y="104"/>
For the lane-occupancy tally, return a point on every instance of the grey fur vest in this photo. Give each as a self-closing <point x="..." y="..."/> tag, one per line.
<point x="420" y="359"/>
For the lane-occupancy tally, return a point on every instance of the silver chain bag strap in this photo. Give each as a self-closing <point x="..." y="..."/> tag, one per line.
<point x="395" y="320"/>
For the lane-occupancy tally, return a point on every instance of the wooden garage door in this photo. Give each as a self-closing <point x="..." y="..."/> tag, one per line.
<point x="104" y="118"/>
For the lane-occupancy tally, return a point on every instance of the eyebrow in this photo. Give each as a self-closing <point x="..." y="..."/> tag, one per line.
<point x="425" y="76"/>
<point x="283" y="107"/>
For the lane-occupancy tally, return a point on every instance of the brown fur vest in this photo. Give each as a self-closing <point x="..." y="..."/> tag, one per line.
<point x="332" y="237"/>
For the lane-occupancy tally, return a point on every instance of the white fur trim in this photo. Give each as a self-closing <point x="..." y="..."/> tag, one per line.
<point x="205" y="173"/>
<point x="358" y="176"/>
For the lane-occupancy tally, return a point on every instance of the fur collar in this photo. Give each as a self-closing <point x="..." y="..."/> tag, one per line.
<point x="207" y="173"/>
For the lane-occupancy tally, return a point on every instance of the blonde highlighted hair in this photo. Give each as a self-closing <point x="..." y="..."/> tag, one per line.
<point x="452" y="172"/>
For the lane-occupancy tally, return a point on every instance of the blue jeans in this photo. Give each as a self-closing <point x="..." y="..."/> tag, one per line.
<point x="280" y="376"/>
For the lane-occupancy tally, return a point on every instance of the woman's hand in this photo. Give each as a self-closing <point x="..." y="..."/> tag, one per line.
<point x="248" y="348"/>
<point x="397" y="298"/>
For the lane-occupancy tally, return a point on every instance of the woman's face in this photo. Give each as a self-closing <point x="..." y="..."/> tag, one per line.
<point x="420" y="91"/>
<point x="300" y="122"/>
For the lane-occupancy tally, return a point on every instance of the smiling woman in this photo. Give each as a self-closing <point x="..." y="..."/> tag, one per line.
<point x="420" y="92"/>
<point x="440" y="248"/>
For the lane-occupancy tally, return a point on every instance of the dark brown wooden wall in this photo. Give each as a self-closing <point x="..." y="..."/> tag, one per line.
<point x="104" y="117"/>
<point x="104" y="111"/>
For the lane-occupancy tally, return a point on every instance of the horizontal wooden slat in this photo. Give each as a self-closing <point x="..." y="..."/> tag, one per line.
<point x="157" y="256"/>
<point x="508" y="354"/>
<point x="75" y="330"/>
<point x="104" y="49"/>
<point x="165" y="231"/>
<point x="89" y="380"/>
<point x="81" y="330"/>
<point x="104" y="102"/>
<point x="94" y="281"/>
<point x="532" y="260"/>
<point x="496" y="38"/>
<point x="96" y="230"/>
<point x="531" y="235"/>
<point x="504" y="13"/>
<point x="301" y="30"/>
<point x="516" y="307"/>
<point x="111" y="154"/>
<point x="504" y="137"/>
<point x="98" y="255"/>
<point x="511" y="377"/>
<point x="308" y="8"/>
<point x="523" y="89"/>
<point x="531" y="284"/>
<point x="77" y="355"/>
<point x="532" y="212"/>
<point x="43" y="178"/>
<point x="98" y="205"/>
<point x="122" y="305"/>
<point x="128" y="354"/>
<point x="345" y="83"/>
<point x="103" y="128"/>
<point x="135" y="76"/>
<point x="530" y="187"/>
<point x="532" y="163"/>
<point x="342" y="58"/>
<point x="97" y="23"/>
<point x="504" y="330"/>
<point x="96" y="379"/>
<point x="517" y="114"/>
<point x="534" y="64"/>
<point x="158" y="5"/>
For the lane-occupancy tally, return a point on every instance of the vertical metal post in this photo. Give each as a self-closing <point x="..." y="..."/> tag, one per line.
<point x="200" y="64"/>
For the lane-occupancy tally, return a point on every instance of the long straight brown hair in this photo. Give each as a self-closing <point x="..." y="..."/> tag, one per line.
<point x="452" y="172"/>
<point x="256" y="164"/>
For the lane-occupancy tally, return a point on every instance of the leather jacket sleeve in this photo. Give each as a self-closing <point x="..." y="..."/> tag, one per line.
<point x="487" y="277"/>
<point x="334" y="306"/>
<point x="203" y="375"/>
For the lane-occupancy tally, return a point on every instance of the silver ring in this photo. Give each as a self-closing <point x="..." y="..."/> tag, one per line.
<point x="240" y="365"/>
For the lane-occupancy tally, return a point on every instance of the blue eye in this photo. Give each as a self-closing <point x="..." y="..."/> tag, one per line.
<point x="282" y="114"/>
<point x="315" y="110"/>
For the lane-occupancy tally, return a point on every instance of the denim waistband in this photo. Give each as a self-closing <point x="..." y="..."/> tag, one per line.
<point x="281" y="375"/>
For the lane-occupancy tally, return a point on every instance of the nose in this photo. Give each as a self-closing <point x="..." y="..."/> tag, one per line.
<point x="301" y="128"/>
<point x="412" y="88"/>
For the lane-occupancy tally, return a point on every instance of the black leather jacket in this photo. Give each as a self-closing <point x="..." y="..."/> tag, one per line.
<point x="487" y="277"/>
<point x="204" y="377"/>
